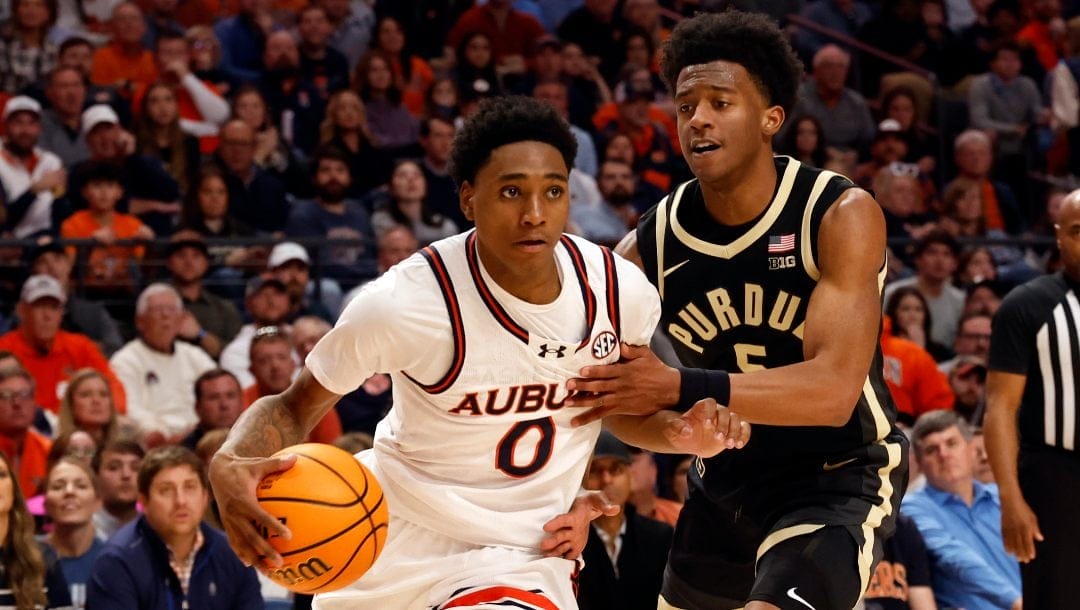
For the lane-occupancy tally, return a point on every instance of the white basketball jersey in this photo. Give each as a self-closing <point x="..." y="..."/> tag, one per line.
<point x="486" y="454"/>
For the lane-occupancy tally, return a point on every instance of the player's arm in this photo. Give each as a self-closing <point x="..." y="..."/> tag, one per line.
<point x="840" y="336"/>
<point x="627" y="248"/>
<point x="271" y="423"/>
<point x="1019" y="526"/>
<point x="705" y="430"/>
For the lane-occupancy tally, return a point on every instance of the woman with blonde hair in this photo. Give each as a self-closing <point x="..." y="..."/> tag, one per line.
<point x="346" y="128"/>
<point x="30" y="577"/>
<point x="71" y="498"/>
<point x="88" y="405"/>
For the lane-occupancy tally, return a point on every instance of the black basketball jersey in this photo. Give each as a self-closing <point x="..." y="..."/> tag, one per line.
<point x="735" y="298"/>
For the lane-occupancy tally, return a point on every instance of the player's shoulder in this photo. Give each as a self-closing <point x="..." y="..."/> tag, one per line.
<point x="398" y="292"/>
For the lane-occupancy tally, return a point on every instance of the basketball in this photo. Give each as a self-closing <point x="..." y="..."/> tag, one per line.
<point x="336" y="512"/>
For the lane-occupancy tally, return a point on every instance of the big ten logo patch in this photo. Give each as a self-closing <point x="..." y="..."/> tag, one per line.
<point x="781" y="262"/>
<point x="604" y="344"/>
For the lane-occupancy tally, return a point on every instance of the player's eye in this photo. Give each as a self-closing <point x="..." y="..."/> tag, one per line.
<point x="720" y="104"/>
<point x="510" y="192"/>
<point x="685" y="108"/>
<point x="555" y="192"/>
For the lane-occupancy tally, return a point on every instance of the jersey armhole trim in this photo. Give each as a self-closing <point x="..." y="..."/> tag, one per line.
<point x="807" y="250"/>
<point x="457" y="327"/>
<point x="612" y="274"/>
<point x="586" y="291"/>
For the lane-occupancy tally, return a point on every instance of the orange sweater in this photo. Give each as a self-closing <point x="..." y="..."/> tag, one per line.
<point x="69" y="353"/>
<point x="916" y="384"/>
<point x="31" y="461"/>
<point x="113" y="66"/>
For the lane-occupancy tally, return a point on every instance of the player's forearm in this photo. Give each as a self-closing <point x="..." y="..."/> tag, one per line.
<point x="801" y="394"/>
<point x="268" y="425"/>
<point x="643" y="432"/>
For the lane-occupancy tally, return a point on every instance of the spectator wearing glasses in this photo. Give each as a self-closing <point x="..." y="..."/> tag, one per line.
<point x="23" y="446"/>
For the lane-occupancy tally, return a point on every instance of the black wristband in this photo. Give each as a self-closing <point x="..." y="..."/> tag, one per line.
<point x="696" y="384"/>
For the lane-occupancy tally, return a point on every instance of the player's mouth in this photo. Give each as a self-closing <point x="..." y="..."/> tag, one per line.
<point x="531" y="245"/>
<point x="700" y="148"/>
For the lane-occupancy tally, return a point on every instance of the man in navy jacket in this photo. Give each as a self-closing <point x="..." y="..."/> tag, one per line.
<point x="167" y="558"/>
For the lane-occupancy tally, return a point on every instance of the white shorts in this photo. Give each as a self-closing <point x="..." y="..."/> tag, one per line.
<point x="423" y="570"/>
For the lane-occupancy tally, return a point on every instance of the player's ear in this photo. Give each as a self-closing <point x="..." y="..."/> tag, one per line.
<point x="465" y="199"/>
<point x="771" y="120"/>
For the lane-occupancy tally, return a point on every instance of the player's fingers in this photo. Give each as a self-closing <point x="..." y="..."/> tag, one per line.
<point x="558" y="523"/>
<point x="743" y="435"/>
<point x="633" y="352"/>
<point x="275" y="464"/>
<point x="598" y="371"/>
<point x="588" y="388"/>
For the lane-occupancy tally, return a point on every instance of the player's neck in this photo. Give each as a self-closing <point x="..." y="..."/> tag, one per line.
<point x="538" y="283"/>
<point x="742" y="194"/>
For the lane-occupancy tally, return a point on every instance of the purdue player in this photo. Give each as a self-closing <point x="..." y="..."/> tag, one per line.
<point x="772" y="270"/>
<point x="480" y="333"/>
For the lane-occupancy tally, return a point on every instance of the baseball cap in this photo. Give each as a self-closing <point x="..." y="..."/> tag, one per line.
<point x="41" y="286"/>
<point x="968" y="365"/>
<point x="285" y="252"/>
<point x="97" y="115"/>
<point x="547" y="41"/>
<point x="607" y="446"/>
<point x="21" y="103"/>
<point x="43" y="246"/>
<point x="186" y="239"/>
<point x="637" y="90"/>
<point x="889" y="126"/>
<point x="260" y="282"/>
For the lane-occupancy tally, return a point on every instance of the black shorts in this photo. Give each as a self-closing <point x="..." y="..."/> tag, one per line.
<point x="1050" y="482"/>
<point x="817" y="570"/>
<point x="822" y="535"/>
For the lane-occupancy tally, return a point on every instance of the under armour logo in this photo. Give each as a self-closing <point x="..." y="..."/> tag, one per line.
<point x="545" y="351"/>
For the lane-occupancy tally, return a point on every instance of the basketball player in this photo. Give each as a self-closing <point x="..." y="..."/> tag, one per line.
<point x="770" y="275"/>
<point x="480" y="333"/>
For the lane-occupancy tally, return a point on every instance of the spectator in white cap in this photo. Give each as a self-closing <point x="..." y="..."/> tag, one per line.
<point x="888" y="146"/>
<point x="149" y="191"/>
<point x="48" y="352"/>
<point x="31" y="177"/>
<point x="290" y="264"/>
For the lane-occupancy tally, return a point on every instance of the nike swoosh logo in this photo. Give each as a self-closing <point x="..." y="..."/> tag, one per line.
<point x="795" y="596"/>
<point x="671" y="270"/>
<point x="827" y="466"/>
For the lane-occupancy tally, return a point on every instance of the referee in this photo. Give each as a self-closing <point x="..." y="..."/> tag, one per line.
<point x="1035" y="370"/>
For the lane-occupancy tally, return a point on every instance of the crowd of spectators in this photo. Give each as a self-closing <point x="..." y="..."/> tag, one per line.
<point x="157" y="156"/>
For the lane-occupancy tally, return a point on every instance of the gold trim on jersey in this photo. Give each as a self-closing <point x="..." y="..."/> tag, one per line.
<point x="661" y="233"/>
<point x="807" y="251"/>
<point x="776" y="206"/>
<point x="785" y="533"/>
<point x="878" y="512"/>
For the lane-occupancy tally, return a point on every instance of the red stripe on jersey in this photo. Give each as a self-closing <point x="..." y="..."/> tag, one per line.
<point x="493" y="306"/>
<point x="612" y="292"/>
<point x="586" y="292"/>
<point x="446" y="285"/>
<point x="496" y="594"/>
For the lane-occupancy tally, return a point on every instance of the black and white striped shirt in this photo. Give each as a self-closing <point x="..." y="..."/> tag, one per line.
<point x="1036" y="333"/>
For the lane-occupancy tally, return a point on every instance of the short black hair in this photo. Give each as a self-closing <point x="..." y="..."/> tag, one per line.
<point x="506" y="120"/>
<point x="751" y="40"/>
<point x="102" y="171"/>
<point x="936" y="236"/>
<point x="328" y="152"/>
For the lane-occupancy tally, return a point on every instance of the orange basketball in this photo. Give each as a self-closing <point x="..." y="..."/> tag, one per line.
<point x="336" y="512"/>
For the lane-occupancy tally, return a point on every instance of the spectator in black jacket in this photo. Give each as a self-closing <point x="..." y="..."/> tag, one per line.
<point x="626" y="553"/>
<point x="136" y="568"/>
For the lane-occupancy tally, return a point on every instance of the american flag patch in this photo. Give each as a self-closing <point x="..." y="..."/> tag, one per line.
<point x="782" y="243"/>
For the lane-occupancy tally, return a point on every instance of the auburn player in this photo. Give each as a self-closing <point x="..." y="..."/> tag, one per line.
<point x="480" y="333"/>
<point x="770" y="275"/>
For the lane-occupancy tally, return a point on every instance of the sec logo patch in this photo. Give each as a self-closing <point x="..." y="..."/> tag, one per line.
<point x="604" y="344"/>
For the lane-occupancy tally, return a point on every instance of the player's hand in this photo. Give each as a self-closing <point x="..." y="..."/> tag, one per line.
<point x="639" y="384"/>
<point x="1019" y="529"/>
<point x="568" y="533"/>
<point x="234" y="480"/>
<point x="707" y="429"/>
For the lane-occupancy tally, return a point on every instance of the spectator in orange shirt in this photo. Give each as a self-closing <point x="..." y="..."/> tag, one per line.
<point x="108" y="265"/>
<point x="125" y="62"/>
<point x="643" y="489"/>
<point x="52" y="355"/>
<point x="916" y="384"/>
<point x="412" y="74"/>
<point x="273" y="367"/>
<point x="26" y="449"/>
